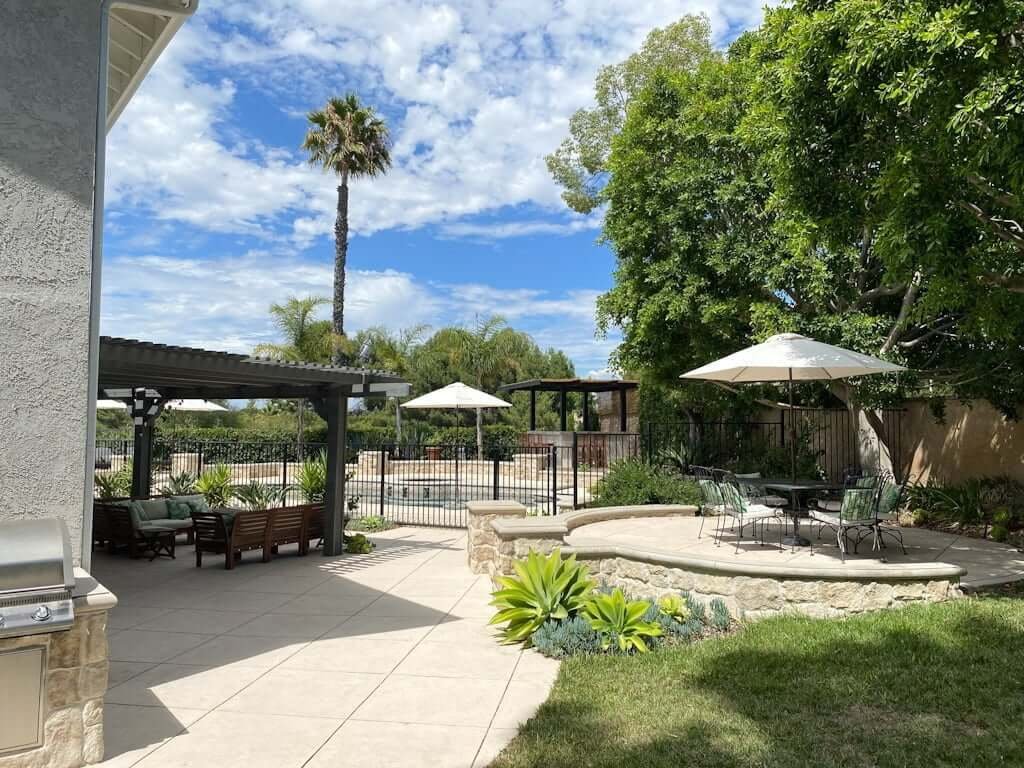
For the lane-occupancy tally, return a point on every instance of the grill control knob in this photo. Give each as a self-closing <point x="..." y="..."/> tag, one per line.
<point x="42" y="613"/>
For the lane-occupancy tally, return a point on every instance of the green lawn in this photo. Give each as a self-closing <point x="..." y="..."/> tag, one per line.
<point x="938" y="685"/>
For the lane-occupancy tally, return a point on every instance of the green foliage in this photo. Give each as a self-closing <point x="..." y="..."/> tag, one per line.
<point x="634" y="481"/>
<point x="972" y="504"/>
<point x="621" y="622"/>
<point x="697" y="610"/>
<point x="215" y="485"/>
<point x="580" y="163"/>
<point x="720" y="618"/>
<point x="565" y="638"/>
<point x="258" y="496"/>
<point x="181" y="484"/>
<point x="675" y="607"/>
<point x="359" y="545"/>
<point x="371" y="523"/>
<point x="113" y="485"/>
<point x="543" y="588"/>
<point x="311" y="478"/>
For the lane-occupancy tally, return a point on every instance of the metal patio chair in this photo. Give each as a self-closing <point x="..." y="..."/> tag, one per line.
<point x="856" y="513"/>
<point x="711" y="501"/>
<point x="743" y="511"/>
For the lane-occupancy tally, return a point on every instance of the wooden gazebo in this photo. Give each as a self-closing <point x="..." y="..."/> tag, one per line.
<point x="563" y="387"/>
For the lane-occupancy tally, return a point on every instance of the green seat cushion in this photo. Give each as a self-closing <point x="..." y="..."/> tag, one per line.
<point x="178" y="509"/>
<point x="153" y="509"/>
<point x="178" y="525"/>
<point x="229" y="518"/>
<point x="137" y="515"/>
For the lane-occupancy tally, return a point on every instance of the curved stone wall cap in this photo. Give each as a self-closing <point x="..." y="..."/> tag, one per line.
<point x="89" y="595"/>
<point x="590" y="550"/>
<point x="560" y="525"/>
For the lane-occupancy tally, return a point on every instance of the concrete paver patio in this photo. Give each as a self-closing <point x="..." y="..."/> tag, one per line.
<point x="382" y="659"/>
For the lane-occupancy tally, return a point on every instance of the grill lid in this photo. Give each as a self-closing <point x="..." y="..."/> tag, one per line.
<point x="35" y="555"/>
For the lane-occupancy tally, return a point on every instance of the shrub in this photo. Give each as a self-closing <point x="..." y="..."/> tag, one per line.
<point x="621" y="622"/>
<point x="696" y="608"/>
<point x="358" y="545"/>
<point x="570" y="637"/>
<point x="181" y="484"/>
<point x="372" y="523"/>
<point x="544" y="588"/>
<point x="637" y="482"/>
<point x="258" y="496"/>
<point x="215" y="485"/>
<point x="113" y="485"/>
<point x="720" y="619"/>
<point x="311" y="478"/>
<point x="988" y="501"/>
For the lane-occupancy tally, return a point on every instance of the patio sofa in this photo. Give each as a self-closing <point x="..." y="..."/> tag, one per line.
<point x="113" y="528"/>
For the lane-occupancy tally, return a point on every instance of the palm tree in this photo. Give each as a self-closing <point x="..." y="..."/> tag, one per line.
<point x="352" y="141"/>
<point x="306" y="341"/>
<point x="490" y="347"/>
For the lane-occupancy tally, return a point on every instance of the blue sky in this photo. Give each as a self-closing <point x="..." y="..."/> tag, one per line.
<point x="212" y="213"/>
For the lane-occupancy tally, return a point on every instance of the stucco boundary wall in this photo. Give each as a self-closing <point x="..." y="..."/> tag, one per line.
<point x="751" y="591"/>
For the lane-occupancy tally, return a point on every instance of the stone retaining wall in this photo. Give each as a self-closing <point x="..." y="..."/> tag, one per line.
<point x="74" y="683"/>
<point x="753" y="598"/>
<point x="483" y="546"/>
<point x="750" y="592"/>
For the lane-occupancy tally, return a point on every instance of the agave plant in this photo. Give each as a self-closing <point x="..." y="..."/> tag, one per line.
<point x="675" y="607"/>
<point x="259" y="496"/>
<point x="543" y="588"/>
<point x="215" y="485"/>
<point x="621" y="621"/>
<point x="311" y="478"/>
<point x="181" y="484"/>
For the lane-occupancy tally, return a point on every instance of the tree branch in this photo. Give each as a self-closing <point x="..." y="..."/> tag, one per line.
<point x="1012" y="283"/>
<point x="901" y="319"/>
<point x="942" y="327"/>
<point x="1001" y="196"/>
<point x="1011" y="234"/>
<point x="880" y="292"/>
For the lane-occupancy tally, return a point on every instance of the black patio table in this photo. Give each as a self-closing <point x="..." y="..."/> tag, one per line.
<point x="794" y="488"/>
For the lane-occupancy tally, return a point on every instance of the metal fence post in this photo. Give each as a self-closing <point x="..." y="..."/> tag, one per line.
<point x="383" y="458"/>
<point x="554" y="480"/>
<point x="284" y="472"/>
<point x="497" y="477"/>
<point x="575" y="469"/>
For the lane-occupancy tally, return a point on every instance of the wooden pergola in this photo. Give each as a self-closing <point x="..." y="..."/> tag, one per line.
<point x="146" y="375"/>
<point x="563" y="387"/>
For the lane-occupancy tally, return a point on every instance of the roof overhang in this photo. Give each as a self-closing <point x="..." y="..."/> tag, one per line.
<point x="138" y="32"/>
<point x="570" y="385"/>
<point x="186" y="373"/>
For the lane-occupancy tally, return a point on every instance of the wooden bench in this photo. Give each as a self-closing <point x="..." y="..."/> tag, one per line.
<point x="250" y="529"/>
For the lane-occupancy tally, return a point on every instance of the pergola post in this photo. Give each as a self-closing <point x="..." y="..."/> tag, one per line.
<point x="563" y="407"/>
<point x="334" y="499"/>
<point x="622" y="409"/>
<point x="533" y="410"/>
<point x="145" y="409"/>
<point x="586" y="410"/>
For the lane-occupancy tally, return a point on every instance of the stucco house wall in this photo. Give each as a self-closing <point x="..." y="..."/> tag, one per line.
<point x="47" y="166"/>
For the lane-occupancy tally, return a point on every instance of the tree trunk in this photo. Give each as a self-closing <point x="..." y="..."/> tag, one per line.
<point x="479" y="434"/>
<point x="340" y="259"/>
<point x="884" y="457"/>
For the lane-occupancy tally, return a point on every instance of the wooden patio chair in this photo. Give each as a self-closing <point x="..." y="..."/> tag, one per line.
<point x="249" y="530"/>
<point x="314" y="519"/>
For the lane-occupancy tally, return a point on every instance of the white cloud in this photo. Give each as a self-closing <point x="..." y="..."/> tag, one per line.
<point x="476" y="92"/>
<point x="506" y="229"/>
<point x="222" y="303"/>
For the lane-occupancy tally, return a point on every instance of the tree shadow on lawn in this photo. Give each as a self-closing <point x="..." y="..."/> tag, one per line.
<point x="928" y="686"/>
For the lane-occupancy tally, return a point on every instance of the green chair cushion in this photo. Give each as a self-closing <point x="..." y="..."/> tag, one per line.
<point x="179" y="509"/>
<point x="136" y="513"/>
<point x="196" y="503"/>
<point x="153" y="509"/>
<point x="229" y="518"/>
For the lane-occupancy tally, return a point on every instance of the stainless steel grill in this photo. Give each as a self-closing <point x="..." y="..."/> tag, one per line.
<point x="36" y="577"/>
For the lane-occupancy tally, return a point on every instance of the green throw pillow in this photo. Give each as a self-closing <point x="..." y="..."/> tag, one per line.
<point x="179" y="510"/>
<point x="197" y="503"/>
<point x="153" y="509"/>
<point x="136" y="513"/>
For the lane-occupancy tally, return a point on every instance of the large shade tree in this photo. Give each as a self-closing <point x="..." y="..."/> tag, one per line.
<point x="824" y="178"/>
<point x="352" y="141"/>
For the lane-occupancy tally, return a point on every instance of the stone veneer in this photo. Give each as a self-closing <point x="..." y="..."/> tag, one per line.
<point x="483" y="545"/>
<point x="750" y="592"/>
<point x="76" y="665"/>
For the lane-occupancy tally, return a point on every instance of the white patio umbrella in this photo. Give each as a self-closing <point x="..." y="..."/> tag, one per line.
<point x="458" y="397"/>
<point x="110" y="405"/>
<point x="193" y="405"/>
<point x="791" y="357"/>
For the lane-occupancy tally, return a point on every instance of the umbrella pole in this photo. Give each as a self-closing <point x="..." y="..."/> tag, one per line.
<point x="792" y="431"/>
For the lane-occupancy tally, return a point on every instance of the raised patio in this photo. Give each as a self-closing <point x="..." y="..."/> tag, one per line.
<point x="378" y="659"/>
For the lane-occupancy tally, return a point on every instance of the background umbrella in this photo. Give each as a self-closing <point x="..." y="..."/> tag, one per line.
<point x="791" y="357"/>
